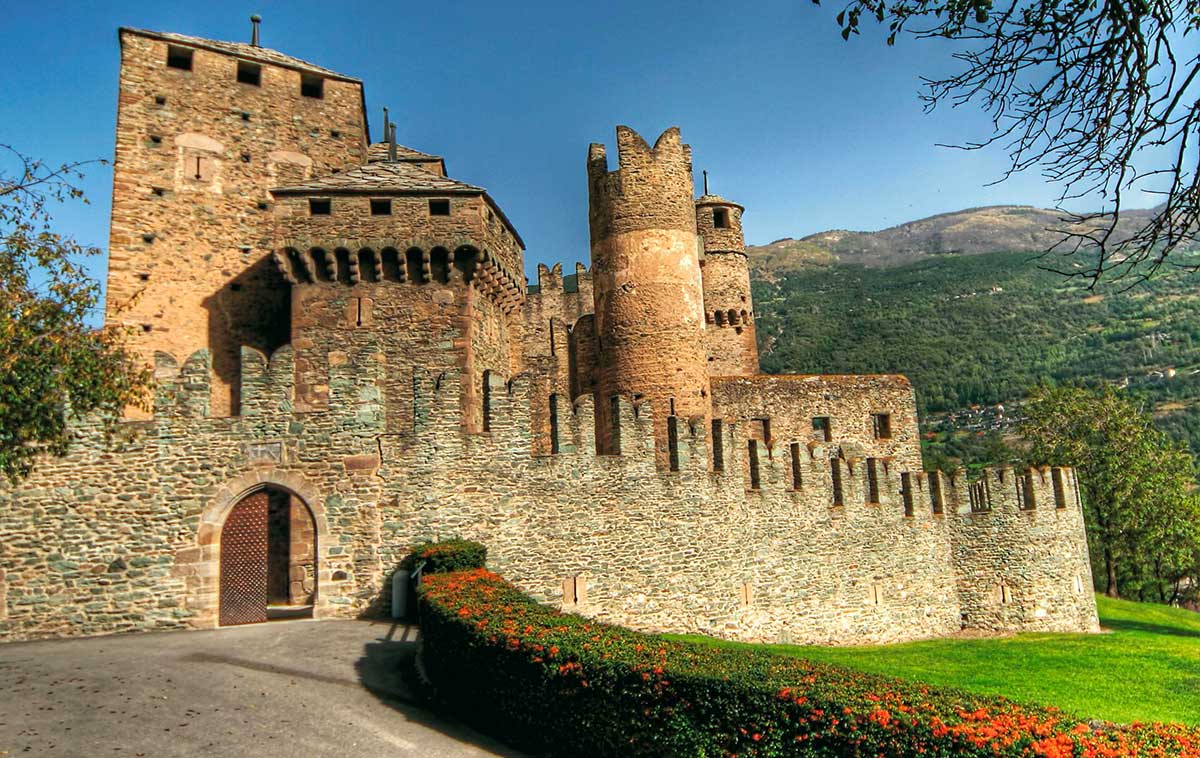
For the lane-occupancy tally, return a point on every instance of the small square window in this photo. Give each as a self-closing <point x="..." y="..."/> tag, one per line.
<point x="720" y="218"/>
<point x="881" y="425"/>
<point x="312" y="86"/>
<point x="245" y="116"/>
<point x="160" y="100"/>
<point x="179" y="57"/>
<point x="381" y="207"/>
<point x="319" y="207"/>
<point x="439" y="207"/>
<point x="822" y="429"/>
<point x="249" y="73"/>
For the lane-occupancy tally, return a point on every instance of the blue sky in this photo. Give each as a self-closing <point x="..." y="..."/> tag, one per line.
<point x="807" y="131"/>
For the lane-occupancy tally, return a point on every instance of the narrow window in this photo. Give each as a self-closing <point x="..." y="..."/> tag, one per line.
<point x="720" y="218"/>
<point x="822" y="429"/>
<point x="752" y="453"/>
<point x="935" y="492"/>
<point x="835" y="470"/>
<point x="906" y="492"/>
<point x="487" y="401"/>
<point x="554" y="424"/>
<point x="312" y="86"/>
<point x="179" y="57"/>
<point x="1060" y="489"/>
<point x="764" y="425"/>
<point x="249" y="73"/>
<point x="439" y="207"/>
<point x="881" y="424"/>
<point x="574" y="591"/>
<point x="872" y="480"/>
<point x="718" y="444"/>
<point x="673" y="441"/>
<point x="359" y="311"/>
<point x="614" y="411"/>
<point x="795" y="451"/>
<point x="381" y="207"/>
<point x="978" y="494"/>
<point x="745" y="595"/>
<point x="1028" y="499"/>
<point x="319" y="207"/>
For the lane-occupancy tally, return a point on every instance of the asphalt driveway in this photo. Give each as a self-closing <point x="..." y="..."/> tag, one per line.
<point x="288" y="689"/>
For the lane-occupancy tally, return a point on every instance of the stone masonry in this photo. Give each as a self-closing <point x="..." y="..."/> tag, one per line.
<point x="347" y="328"/>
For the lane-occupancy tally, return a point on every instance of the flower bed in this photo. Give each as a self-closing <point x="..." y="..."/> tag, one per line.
<point x="565" y="685"/>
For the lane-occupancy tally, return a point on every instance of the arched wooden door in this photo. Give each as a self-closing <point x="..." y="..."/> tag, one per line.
<point x="244" y="561"/>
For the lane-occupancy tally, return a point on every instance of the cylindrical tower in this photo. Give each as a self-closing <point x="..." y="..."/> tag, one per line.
<point x="728" y="306"/>
<point x="649" y="302"/>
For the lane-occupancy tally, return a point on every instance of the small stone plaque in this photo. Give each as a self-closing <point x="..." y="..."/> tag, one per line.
<point x="271" y="452"/>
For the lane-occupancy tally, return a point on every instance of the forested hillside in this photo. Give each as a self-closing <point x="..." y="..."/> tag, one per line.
<point x="977" y="331"/>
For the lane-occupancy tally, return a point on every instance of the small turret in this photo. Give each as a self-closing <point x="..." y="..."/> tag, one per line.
<point x="728" y="305"/>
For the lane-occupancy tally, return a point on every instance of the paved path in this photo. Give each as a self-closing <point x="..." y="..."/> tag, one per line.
<point x="290" y="689"/>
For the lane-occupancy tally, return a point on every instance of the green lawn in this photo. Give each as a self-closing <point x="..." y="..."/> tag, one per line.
<point x="1147" y="668"/>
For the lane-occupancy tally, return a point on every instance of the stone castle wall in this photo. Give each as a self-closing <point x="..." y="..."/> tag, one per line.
<point x="125" y="535"/>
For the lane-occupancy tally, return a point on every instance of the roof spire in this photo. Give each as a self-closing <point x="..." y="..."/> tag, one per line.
<point x="255" y="20"/>
<point x="391" y="135"/>
<point x="705" y="172"/>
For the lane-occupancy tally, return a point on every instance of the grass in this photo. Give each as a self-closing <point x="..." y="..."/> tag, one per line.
<point x="1147" y="668"/>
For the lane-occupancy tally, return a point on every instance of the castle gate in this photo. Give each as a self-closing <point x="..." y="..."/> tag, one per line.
<point x="268" y="559"/>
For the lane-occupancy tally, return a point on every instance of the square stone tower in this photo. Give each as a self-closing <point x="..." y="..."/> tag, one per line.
<point x="204" y="130"/>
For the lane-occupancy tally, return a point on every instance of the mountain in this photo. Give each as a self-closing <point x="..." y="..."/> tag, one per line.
<point x="1010" y="228"/>
<point x="974" y="332"/>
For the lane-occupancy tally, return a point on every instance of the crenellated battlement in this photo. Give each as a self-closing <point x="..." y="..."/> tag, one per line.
<point x="795" y="468"/>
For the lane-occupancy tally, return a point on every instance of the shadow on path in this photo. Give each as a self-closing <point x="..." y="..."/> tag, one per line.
<point x="385" y="670"/>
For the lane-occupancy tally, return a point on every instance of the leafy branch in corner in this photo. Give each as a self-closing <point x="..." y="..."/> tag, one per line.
<point x="1079" y="89"/>
<point x="53" y="364"/>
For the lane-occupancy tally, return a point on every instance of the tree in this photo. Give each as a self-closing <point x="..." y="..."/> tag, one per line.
<point x="1143" y="519"/>
<point x="53" y="365"/>
<point x="1079" y="89"/>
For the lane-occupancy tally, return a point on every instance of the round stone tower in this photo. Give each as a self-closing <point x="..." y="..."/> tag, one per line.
<point x="728" y="306"/>
<point x="649" y="303"/>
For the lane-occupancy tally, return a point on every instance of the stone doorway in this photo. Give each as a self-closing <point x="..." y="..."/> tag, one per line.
<point x="268" y="559"/>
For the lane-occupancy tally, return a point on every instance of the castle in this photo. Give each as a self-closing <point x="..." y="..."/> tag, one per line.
<point x="348" y="361"/>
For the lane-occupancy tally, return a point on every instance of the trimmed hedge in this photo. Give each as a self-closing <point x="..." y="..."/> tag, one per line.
<point x="569" y="686"/>
<point x="445" y="556"/>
